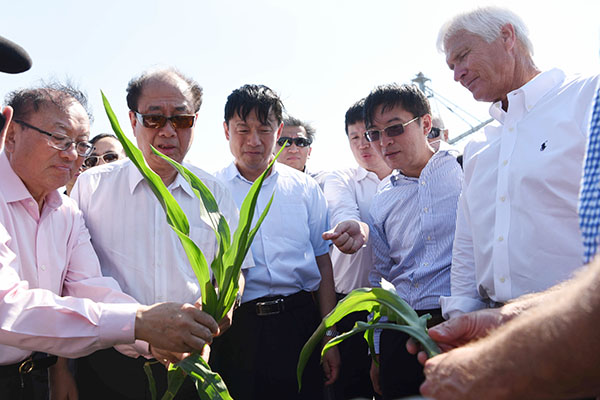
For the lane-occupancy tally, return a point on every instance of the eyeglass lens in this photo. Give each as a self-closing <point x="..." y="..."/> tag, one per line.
<point x="156" y="121"/>
<point x="298" y="141"/>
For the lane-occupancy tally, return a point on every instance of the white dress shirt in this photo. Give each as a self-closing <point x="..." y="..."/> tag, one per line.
<point x="289" y="239"/>
<point x="349" y="193"/>
<point x="517" y="226"/>
<point x="131" y="236"/>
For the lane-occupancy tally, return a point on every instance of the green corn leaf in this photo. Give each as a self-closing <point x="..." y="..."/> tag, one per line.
<point x="151" y="381"/>
<point x="209" y="384"/>
<point x="175" y="378"/>
<point x="364" y="299"/>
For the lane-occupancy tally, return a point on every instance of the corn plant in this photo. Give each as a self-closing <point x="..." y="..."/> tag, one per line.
<point x="380" y="302"/>
<point x="225" y="267"/>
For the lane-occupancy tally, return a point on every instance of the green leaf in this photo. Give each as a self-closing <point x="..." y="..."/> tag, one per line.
<point x="150" y="376"/>
<point x="175" y="378"/>
<point x="209" y="384"/>
<point x="365" y="299"/>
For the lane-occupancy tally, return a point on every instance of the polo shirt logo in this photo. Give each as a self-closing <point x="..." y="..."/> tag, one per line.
<point x="543" y="146"/>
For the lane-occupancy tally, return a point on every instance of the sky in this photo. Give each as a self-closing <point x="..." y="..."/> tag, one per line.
<point x="319" y="56"/>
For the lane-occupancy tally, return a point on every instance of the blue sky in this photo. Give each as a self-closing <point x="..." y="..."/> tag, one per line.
<point x="320" y="56"/>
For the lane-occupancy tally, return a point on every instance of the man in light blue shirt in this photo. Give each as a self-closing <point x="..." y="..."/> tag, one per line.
<point x="291" y="285"/>
<point x="412" y="222"/>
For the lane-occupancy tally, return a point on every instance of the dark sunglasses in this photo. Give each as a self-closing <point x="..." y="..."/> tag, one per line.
<point x="298" y="141"/>
<point x="373" y="135"/>
<point x="157" y="121"/>
<point x="108" y="157"/>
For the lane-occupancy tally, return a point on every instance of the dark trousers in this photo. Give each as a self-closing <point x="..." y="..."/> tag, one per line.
<point x="258" y="355"/>
<point x="108" y="374"/>
<point x="400" y="374"/>
<point x="26" y="386"/>
<point x="354" y="380"/>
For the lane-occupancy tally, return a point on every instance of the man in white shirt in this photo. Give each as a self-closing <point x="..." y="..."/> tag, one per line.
<point x="128" y="226"/>
<point x="517" y="227"/>
<point x="349" y="193"/>
<point x="290" y="288"/>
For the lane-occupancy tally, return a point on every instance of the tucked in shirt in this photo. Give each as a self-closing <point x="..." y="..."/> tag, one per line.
<point x="589" y="201"/>
<point x="349" y="193"/>
<point x="412" y="230"/>
<point x="289" y="239"/>
<point x="131" y="236"/>
<point x="43" y="256"/>
<point x="517" y="228"/>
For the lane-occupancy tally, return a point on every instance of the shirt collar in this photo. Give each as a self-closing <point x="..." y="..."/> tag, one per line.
<point x="135" y="178"/>
<point x="532" y="92"/>
<point x="232" y="172"/>
<point x="444" y="150"/>
<point x="13" y="189"/>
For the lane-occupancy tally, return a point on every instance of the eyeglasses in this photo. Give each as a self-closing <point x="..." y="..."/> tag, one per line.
<point x="298" y="141"/>
<point x="61" y="142"/>
<point x="108" y="157"/>
<point x="157" y="121"/>
<point x="435" y="132"/>
<point x="373" y="135"/>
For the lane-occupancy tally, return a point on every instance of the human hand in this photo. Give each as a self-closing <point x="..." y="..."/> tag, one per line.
<point x="61" y="381"/>
<point x="460" y="330"/>
<point x="175" y="327"/>
<point x="166" y="357"/>
<point x="331" y="365"/>
<point x="348" y="236"/>
<point x="374" y="372"/>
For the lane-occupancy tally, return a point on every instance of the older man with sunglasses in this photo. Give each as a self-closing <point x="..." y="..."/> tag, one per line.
<point x="412" y="220"/>
<point x="128" y="226"/>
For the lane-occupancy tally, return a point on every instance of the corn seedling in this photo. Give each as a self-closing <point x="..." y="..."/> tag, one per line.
<point x="225" y="267"/>
<point x="380" y="302"/>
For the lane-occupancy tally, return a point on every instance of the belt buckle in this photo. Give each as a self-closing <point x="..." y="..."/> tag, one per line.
<point x="272" y="307"/>
<point x="26" y="366"/>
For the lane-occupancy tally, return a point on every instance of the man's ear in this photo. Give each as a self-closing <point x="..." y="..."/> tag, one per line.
<point x="133" y="120"/>
<point x="426" y="123"/>
<point x="7" y="114"/>
<point x="226" y="129"/>
<point x="508" y="35"/>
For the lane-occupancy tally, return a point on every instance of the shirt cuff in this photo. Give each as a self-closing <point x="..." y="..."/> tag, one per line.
<point x="453" y="306"/>
<point x="117" y="323"/>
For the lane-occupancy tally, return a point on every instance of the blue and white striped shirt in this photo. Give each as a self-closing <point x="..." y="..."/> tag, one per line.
<point x="412" y="230"/>
<point x="589" y="200"/>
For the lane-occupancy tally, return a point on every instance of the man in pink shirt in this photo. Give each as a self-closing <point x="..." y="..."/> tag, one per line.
<point x="53" y="297"/>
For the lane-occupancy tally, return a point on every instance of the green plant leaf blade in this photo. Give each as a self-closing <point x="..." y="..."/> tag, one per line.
<point x="209" y="384"/>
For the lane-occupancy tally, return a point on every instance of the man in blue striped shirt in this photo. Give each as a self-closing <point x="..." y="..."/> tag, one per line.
<point x="412" y="222"/>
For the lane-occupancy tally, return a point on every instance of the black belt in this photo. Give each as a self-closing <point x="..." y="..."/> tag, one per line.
<point x="26" y="366"/>
<point x="266" y="306"/>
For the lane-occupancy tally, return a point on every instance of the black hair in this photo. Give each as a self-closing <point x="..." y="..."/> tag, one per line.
<point x="409" y="97"/>
<point x="136" y="86"/>
<point x="355" y="114"/>
<point x="291" y="121"/>
<point x="61" y="95"/>
<point x="102" y="136"/>
<point x="254" y="97"/>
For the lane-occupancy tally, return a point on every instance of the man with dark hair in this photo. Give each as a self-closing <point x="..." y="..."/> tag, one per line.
<point x="45" y="253"/>
<point x="297" y="137"/>
<point x="118" y="205"/>
<point x="517" y="229"/>
<point x="349" y="193"/>
<point x="412" y="222"/>
<point x="291" y="285"/>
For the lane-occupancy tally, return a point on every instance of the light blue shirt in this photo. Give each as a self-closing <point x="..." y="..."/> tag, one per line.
<point x="412" y="230"/>
<point x="289" y="239"/>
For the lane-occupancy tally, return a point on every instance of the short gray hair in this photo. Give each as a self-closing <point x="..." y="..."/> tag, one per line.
<point x="485" y="22"/>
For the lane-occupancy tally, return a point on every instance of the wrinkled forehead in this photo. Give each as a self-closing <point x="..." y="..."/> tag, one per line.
<point x="294" y="131"/>
<point x="161" y="91"/>
<point x="69" y="117"/>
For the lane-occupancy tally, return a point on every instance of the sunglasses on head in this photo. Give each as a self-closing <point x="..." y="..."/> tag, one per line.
<point x="157" y="121"/>
<point x="298" y="141"/>
<point x="108" y="157"/>
<point x="434" y="132"/>
<point x="373" y="135"/>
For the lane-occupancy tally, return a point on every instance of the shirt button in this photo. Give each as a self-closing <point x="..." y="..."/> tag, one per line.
<point x="500" y="238"/>
<point x="425" y="264"/>
<point x="425" y="209"/>
<point x="502" y="280"/>
<point x="423" y="183"/>
<point x="43" y="267"/>
<point x="511" y="129"/>
<point x="417" y="285"/>
<point x="502" y="198"/>
<point x="428" y="237"/>
<point x="504" y="162"/>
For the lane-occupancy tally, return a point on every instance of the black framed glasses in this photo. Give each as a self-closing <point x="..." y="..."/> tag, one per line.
<point x="298" y="141"/>
<point x="61" y="142"/>
<point x="373" y="135"/>
<point x="108" y="157"/>
<point x="157" y="121"/>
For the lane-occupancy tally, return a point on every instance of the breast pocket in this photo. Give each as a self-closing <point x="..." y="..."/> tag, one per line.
<point x="291" y="222"/>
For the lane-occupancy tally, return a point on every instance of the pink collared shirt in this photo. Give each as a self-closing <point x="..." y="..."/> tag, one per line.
<point x="53" y="297"/>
